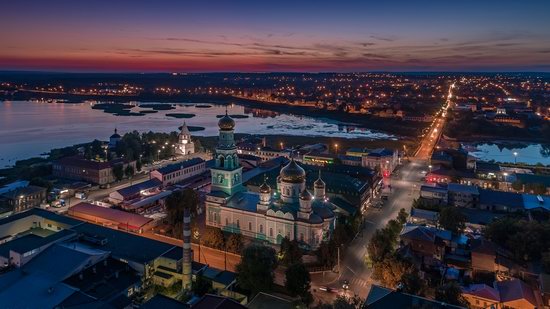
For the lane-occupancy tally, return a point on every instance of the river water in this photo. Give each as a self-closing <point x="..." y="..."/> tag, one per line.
<point x="28" y="129"/>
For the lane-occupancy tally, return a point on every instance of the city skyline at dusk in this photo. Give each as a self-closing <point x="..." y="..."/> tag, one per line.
<point x="135" y="36"/>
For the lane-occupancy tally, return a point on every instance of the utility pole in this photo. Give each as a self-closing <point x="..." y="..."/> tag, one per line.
<point x="338" y="258"/>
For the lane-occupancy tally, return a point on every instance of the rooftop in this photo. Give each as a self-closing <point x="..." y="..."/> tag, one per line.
<point x="456" y="187"/>
<point x="23" y="191"/>
<point x="179" y="166"/>
<point x="121" y="217"/>
<point x="380" y="297"/>
<point x="138" y="187"/>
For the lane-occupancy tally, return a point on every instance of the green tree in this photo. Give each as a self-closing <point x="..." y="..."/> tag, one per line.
<point x="297" y="282"/>
<point x="413" y="284"/>
<point x="380" y="245"/>
<point x="139" y="165"/>
<point x="517" y="185"/>
<point x="391" y="270"/>
<point x="290" y="252"/>
<point x="234" y="243"/>
<point x="451" y="219"/>
<point x="118" y="172"/>
<point x="202" y="286"/>
<point x="129" y="171"/>
<point x="213" y="237"/>
<point x="402" y="216"/>
<point x="546" y="262"/>
<point x="535" y="188"/>
<point x="342" y="302"/>
<point x="451" y="293"/>
<point x="179" y="200"/>
<point x="255" y="271"/>
<point x="326" y="255"/>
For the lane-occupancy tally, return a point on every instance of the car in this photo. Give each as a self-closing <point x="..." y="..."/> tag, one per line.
<point x="345" y="285"/>
<point x="384" y="197"/>
<point x="327" y="289"/>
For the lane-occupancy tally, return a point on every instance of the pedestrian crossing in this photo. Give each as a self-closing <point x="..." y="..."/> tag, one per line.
<point x="357" y="282"/>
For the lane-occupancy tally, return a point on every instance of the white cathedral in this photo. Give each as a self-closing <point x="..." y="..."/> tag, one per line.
<point x="185" y="145"/>
<point x="270" y="215"/>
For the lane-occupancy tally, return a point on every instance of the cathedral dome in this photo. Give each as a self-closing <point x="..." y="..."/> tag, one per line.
<point x="319" y="183"/>
<point x="265" y="188"/>
<point x="305" y="195"/>
<point x="116" y="135"/>
<point x="293" y="173"/>
<point x="226" y="123"/>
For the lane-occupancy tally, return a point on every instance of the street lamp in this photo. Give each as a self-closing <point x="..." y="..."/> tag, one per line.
<point x="336" y="147"/>
<point x="281" y="143"/>
<point x="515" y="157"/>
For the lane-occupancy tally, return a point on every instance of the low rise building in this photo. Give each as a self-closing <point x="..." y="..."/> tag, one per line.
<point x="178" y="172"/>
<point x="23" y="198"/>
<point x="80" y="168"/>
<point x="116" y="219"/>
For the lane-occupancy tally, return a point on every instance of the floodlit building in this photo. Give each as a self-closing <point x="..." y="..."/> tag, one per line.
<point x="178" y="172"/>
<point x="185" y="145"/>
<point x="289" y="211"/>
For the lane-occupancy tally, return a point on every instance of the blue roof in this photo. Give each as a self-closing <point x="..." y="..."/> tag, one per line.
<point x="456" y="187"/>
<point x="138" y="187"/>
<point x="246" y="201"/>
<point x="436" y="189"/>
<point x="380" y="152"/>
<point x="30" y="241"/>
<point x="508" y="199"/>
<point x="179" y="166"/>
<point x="122" y="245"/>
<point x="531" y="201"/>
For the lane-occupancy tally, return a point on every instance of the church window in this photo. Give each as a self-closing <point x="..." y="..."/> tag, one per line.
<point x="226" y="221"/>
<point x="222" y="161"/>
<point x="238" y="223"/>
<point x="250" y="226"/>
<point x="261" y="228"/>
<point x="270" y="232"/>
<point x="301" y="236"/>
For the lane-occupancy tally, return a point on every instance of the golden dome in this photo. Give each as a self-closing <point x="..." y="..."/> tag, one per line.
<point x="305" y="195"/>
<point x="226" y="122"/>
<point x="293" y="173"/>
<point x="265" y="188"/>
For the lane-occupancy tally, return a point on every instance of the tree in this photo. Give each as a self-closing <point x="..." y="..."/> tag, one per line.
<point x="380" y="246"/>
<point x="451" y="219"/>
<point x="118" y="172"/>
<point x="297" y="282"/>
<point x="255" y="271"/>
<point x="234" y="243"/>
<point x="517" y="185"/>
<point x="202" y="286"/>
<point x="413" y="284"/>
<point x="177" y="201"/>
<point x="343" y="302"/>
<point x="402" y="216"/>
<point x="213" y="237"/>
<point x="535" y="188"/>
<point x="139" y="165"/>
<point x="290" y="252"/>
<point x="546" y="262"/>
<point x="391" y="270"/>
<point x="129" y="171"/>
<point x="326" y="255"/>
<point x="451" y="293"/>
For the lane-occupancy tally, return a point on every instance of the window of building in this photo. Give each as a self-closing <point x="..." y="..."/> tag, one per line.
<point x="238" y="223"/>
<point x="261" y="228"/>
<point x="270" y="232"/>
<point x="250" y="226"/>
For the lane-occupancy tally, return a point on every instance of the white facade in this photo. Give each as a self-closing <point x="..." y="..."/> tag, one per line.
<point x="290" y="212"/>
<point x="185" y="145"/>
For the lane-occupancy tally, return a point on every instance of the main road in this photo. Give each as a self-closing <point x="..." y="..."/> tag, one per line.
<point x="405" y="184"/>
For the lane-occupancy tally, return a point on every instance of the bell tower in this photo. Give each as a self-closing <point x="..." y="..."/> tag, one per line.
<point x="227" y="171"/>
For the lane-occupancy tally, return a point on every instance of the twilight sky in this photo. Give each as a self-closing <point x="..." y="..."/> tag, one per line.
<point x="233" y="35"/>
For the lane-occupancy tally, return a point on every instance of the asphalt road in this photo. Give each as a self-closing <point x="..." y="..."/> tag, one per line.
<point x="405" y="186"/>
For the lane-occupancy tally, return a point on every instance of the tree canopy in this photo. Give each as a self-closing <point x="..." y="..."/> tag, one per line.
<point x="255" y="271"/>
<point x="451" y="219"/>
<point x="297" y="282"/>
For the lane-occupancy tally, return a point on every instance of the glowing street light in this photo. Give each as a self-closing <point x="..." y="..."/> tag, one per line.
<point x="515" y="157"/>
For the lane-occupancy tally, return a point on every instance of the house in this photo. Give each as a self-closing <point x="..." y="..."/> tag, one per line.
<point x="381" y="159"/>
<point x="266" y="301"/>
<point x="484" y="254"/>
<point x="423" y="217"/>
<point x="434" y="195"/>
<point x="23" y="198"/>
<point x="512" y="293"/>
<point x="463" y="195"/>
<point x="178" y="172"/>
<point x="425" y="241"/>
<point x="500" y="201"/>
<point x="384" y="298"/>
<point x="97" y="172"/>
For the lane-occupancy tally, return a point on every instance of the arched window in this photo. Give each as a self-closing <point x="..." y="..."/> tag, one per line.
<point x="222" y="161"/>
<point x="261" y="228"/>
<point x="270" y="232"/>
<point x="250" y="226"/>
